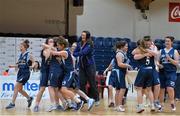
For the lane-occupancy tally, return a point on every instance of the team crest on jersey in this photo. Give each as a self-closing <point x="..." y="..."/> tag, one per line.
<point x="172" y="83"/>
<point x="64" y="82"/>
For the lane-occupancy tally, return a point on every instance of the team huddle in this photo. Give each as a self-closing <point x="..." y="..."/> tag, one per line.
<point x="66" y="71"/>
<point x="156" y="73"/>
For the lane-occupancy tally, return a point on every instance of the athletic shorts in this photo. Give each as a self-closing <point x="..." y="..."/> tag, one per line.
<point x="167" y="79"/>
<point x="23" y="77"/>
<point x="144" y="77"/>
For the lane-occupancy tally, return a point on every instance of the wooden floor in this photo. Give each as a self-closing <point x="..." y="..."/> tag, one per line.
<point x="100" y="110"/>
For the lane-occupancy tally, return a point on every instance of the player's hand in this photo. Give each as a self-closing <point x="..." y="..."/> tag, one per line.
<point x="129" y="67"/>
<point x="148" y="55"/>
<point x="168" y="57"/>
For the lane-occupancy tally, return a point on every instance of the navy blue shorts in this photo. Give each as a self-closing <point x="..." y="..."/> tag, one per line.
<point x="120" y="80"/>
<point x="144" y="78"/>
<point x="70" y="80"/>
<point x="55" y="78"/>
<point x="44" y="78"/>
<point x="167" y="79"/>
<point x="23" y="77"/>
<point x="156" y="80"/>
<point x="75" y="83"/>
<point x="112" y="78"/>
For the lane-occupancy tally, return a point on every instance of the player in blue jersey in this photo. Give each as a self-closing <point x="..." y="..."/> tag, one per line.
<point x="45" y="56"/>
<point x="169" y="59"/>
<point x="24" y="62"/>
<point x="156" y="81"/>
<point x="55" y="75"/>
<point x="121" y="66"/>
<point x="68" y="71"/>
<point x="146" y="60"/>
<point x="70" y="76"/>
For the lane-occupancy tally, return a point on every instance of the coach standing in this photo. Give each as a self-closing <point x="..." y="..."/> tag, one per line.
<point x="87" y="67"/>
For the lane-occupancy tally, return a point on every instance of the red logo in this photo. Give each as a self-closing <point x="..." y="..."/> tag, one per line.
<point x="174" y="12"/>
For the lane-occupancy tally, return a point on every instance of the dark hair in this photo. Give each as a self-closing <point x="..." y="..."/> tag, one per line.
<point x="120" y="44"/>
<point x="170" y="37"/>
<point x="138" y="42"/>
<point x="88" y="34"/>
<point x="179" y="52"/>
<point x="62" y="41"/>
<point x="55" y="41"/>
<point x="88" y="38"/>
<point x="145" y="39"/>
<point x="147" y="36"/>
<point x="46" y="42"/>
<point x="38" y="65"/>
<point x="25" y="43"/>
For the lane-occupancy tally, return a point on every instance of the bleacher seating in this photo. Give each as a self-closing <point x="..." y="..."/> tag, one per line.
<point x="107" y="43"/>
<point x="176" y="46"/>
<point x="98" y="43"/>
<point x="104" y="50"/>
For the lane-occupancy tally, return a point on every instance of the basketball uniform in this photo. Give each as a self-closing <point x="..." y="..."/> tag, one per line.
<point x="24" y="70"/>
<point x="168" y="73"/>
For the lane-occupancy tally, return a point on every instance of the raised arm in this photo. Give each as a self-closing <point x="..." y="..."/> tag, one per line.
<point x="140" y="56"/>
<point x="63" y="53"/>
<point x="46" y="46"/>
<point x="31" y="59"/>
<point x="135" y="51"/>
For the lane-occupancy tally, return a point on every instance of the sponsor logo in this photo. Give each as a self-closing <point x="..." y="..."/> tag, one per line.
<point x="8" y="86"/>
<point x="174" y="12"/>
<point x="31" y="87"/>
